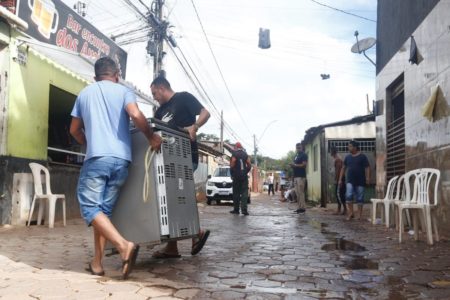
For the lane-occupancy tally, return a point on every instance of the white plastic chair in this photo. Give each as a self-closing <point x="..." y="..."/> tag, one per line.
<point x="386" y="201"/>
<point x="36" y="170"/>
<point x="420" y="199"/>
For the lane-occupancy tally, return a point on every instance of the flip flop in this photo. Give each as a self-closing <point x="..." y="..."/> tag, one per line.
<point x="197" y="247"/>
<point x="128" y="264"/>
<point x="89" y="269"/>
<point x="162" y="255"/>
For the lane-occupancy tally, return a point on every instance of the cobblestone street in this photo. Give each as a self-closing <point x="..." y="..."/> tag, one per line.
<point x="271" y="254"/>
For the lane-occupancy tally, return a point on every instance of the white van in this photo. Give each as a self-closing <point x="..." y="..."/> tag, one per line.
<point x="220" y="186"/>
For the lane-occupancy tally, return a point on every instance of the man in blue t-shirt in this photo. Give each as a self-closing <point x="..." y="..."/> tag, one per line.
<point x="100" y="120"/>
<point x="357" y="175"/>
<point x="299" y="168"/>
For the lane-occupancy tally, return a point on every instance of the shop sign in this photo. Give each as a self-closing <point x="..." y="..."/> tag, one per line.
<point x="53" y="22"/>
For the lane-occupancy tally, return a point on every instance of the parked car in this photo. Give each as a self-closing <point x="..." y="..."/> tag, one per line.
<point x="220" y="186"/>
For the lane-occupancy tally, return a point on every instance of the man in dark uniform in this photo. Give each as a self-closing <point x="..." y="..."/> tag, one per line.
<point x="299" y="168"/>
<point x="180" y="110"/>
<point x="239" y="167"/>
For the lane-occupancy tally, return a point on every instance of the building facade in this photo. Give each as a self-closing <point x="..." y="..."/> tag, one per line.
<point x="41" y="72"/>
<point x="413" y="47"/>
<point x="318" y="142"/>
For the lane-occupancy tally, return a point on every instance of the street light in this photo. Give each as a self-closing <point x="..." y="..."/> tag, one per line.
<point x="259" y="140"/>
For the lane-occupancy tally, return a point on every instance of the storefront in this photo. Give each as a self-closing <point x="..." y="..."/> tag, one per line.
<point x="39" y="82"/>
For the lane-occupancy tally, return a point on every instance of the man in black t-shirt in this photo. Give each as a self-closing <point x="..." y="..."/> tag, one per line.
<point x="299" y="169"/>
<point x="180" y="110"/>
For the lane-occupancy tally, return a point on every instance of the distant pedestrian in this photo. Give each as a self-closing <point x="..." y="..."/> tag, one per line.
<point x="299" y="168"/>
<point x="357" y="176"/>
<point x="239" y="167"/>
<point x="270" y="182"/>
<point x="339" y="189"/>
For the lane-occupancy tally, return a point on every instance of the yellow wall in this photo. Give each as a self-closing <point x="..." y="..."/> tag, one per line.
<point x="29" y="101"/>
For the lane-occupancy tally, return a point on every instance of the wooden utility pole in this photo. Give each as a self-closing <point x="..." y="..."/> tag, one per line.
<point x="160" y="34"/>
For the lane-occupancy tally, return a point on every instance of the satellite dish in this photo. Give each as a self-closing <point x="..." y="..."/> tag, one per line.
<point x="363" y="45"/>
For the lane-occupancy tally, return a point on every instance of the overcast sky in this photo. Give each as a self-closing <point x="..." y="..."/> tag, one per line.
<point x="275" y="94"/>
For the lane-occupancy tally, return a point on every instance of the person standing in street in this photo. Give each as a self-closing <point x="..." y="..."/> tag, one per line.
<point x="270" y="182"/>
<point x="339" y="189"/>
<point x="356" y="173"/>
<point x="100" y="120"/>
<point x="180" y="110"/>
<point x="239" y="167"/>
<point x="299" y="168"/>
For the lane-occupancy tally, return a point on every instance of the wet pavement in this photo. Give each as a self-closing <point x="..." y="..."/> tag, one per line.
<point x="271" y="254"/>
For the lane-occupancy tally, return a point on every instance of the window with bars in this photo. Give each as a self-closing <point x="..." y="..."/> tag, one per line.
<point x="365" y="145"/>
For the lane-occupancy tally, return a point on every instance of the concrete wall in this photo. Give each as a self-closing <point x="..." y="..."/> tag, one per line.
<point x="427" y="144"/>
<point x="396" y="20"/>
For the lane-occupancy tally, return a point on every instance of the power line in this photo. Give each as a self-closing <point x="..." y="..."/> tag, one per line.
<point x="218" y="67"/>
<point x="203" y="92"/>
<point x="343" y="11"/>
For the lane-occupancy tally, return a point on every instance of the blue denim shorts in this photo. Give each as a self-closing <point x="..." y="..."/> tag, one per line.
<point x="357" y="191"/>
<point x="99" y="184"/>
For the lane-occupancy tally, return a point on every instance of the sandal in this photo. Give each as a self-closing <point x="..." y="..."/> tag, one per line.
<point x="197" y="246"/>
<point x="128" y="264"/>
<point x="89" y="269"/>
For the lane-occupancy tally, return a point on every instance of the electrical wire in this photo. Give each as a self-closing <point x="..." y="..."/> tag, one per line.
<point x="343" y="11"/>
<point x="202" y="90"/>
<point x="218" y="66"/>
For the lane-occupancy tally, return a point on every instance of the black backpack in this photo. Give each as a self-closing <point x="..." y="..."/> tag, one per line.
<point x="240" y="169"/>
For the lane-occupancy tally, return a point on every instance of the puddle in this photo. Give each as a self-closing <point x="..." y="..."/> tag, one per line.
<point x="318" y="225"/>
<point x="352" y="262"/>
<point x="360" y="263"/>
<point x="344" y="245"/>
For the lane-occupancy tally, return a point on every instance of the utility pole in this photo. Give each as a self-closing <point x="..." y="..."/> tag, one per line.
<point x="155" y="46"/>
<point x="221" y="131"/>
<point x="255" y="150"/>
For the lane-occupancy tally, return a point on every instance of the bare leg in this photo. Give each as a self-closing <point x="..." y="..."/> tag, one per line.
<point x="360" y="210"/>
<point x="99" y="244"/>
<point x="106" y="230"/>
<point x="350" y="211"/>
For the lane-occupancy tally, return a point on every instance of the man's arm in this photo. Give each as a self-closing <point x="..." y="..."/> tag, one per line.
<point x="248" y="163"/>
<point x="202" y="119"/>
<point x="300" y="165"/>
<point x="341" y="175"/>
<point x="367" y="170"/>
<point x="232" y="162"/>
<point x="76" y="130"/>
<point x="139" y="120"/>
